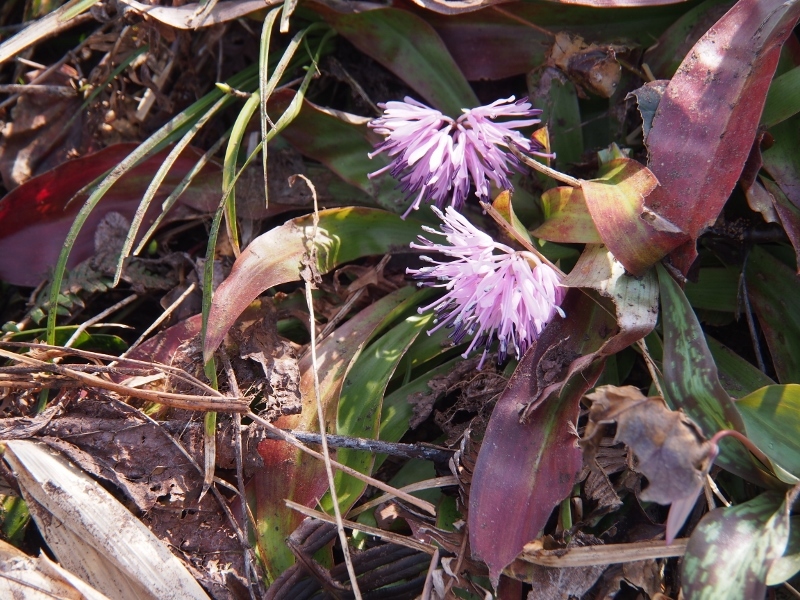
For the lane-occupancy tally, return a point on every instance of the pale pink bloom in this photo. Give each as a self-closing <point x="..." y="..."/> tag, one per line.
<point x="492" y="290"/>
<point x="436" y="158"/>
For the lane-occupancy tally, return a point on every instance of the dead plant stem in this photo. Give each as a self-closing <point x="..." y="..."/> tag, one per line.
<point x="308" y="275"/>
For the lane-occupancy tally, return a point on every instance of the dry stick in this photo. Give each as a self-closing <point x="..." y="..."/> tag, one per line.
<point x="292" y="440"/>
<point x="462" y="550"/>
<point x="180" y="373"/>
<point x="713" y="485"/>
<point x="307" y="277"/>
<point x="500" y="220"/>
<point x="414" y="487"/>
<point x="237" y="441"/>
<point x="651" y="366"/>
<point x="79" y="20"/>
<point x="590" y="556"/>
<point x="97" y="318"/>
<point x="428" y="587"/>
<point x="62" y="91"/>
<point x="381" y="533"/>
<point x="537" y="166"/>
<point x="167" y="312"/>
<point x="189" y="402"/>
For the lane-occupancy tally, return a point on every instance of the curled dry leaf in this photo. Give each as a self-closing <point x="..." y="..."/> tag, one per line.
<point x="592" y="67"/>
<point x="672" y="452"/>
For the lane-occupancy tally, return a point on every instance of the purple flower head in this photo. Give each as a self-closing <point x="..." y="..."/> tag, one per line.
<point x="492" y="290"/>
<point x="436" y="158"/>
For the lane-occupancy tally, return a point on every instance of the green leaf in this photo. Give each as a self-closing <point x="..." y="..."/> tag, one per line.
<point x="691" y="381"/>
<point x="732" y="549"/>
<point x="14" y="518"/>
<point x="775" y="297"/>
<point x="410" y="48"/>
<point x="772" y="418"/>
<point x="736" y="375"/>
<point x="788" y="565"/>
<point x="172" y="130"/>
<point x="616" y="203"/>
<point x="783" y="98"/>
<point x="361" y="402"/>
<point x="557" y="98"/>
<point x="567" y="218"/>
<point x="715" y="289"/>
<point x="339" y="141"/>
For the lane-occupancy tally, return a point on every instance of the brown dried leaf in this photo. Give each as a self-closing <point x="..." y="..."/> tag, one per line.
<point x="592" y="67"/>
<point x="279" y="381"/>
<point x="672" y="452"/>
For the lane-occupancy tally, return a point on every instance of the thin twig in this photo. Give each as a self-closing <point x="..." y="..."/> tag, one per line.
<point x="308" y="276"/>
<point x="537" y="166"/>
<point x="167" y="312"/>
<point x="60" y="351"/>
<point x="498" y="218"/>
<point x="651" y="366"/>
<point x="589" y="556"/>
<point x="462" y="550"/>
<point x="97" y="318"/>
<point x="223" y="503"/>
<point x="290" y="439"/>
<point x="427" y="589"/>
<point x="237" y="442"/>
<point x="187" y="401"/>
<point x="381" y="533"/>
<point x="62" y="91"/>
<point x="427" y="484"/>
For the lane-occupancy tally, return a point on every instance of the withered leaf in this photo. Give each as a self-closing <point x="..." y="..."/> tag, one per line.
<point x="672" y="452"/>
<point x="593" y="67"/>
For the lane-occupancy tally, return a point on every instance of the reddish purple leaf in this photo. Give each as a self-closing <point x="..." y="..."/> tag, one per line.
<point x="525" y="469"/>
<point x="707" y="120"/>
<point x="35" y="217"/>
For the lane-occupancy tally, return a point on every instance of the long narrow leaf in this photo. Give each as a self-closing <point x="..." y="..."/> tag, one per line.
<point x="158" y="140"/>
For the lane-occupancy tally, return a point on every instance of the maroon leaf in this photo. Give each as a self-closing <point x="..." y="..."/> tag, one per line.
<point x="525" y="468"/>
<point x="707" y="119"/>
<point x="35" y="217"/>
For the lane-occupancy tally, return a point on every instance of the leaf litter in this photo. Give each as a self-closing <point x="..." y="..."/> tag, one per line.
<point x="582" y="522"/>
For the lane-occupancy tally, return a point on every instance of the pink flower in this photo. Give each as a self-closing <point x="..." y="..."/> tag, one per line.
<point x="492" y="290"/>
<point x="436" y="158"/>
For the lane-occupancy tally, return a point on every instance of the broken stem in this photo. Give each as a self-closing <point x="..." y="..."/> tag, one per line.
<point x="307" y="276"/>
<point x="537" y="166"/>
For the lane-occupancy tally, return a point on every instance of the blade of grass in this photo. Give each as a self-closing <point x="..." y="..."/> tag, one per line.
<point x="159" y="177"/>
<point x="180" y="188"/>
<point x="171" y="130"/>
<point x="263" y="68"/>
<point x="229" y="173"/>
<point x="234" y="143"/>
